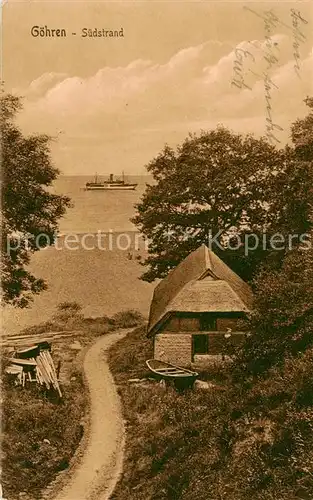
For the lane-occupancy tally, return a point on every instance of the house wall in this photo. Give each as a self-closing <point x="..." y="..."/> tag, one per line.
<point x="179" y="323"/>
<point x="223" y="323"/>
<point x="174" y="343"/>
<point x="192" y="323"/>
<point x="173" y="348"/>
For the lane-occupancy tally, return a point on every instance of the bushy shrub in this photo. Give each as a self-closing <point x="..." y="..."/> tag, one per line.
<point x="97" y="326"/>
<point x="128" y="319"/>
<point x="68" y="316"/>
<point x="73" y="307"/>
<point x="281" y="323"/>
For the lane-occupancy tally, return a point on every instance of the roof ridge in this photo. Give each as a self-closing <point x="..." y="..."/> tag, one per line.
<point x="209" y="264"/>
<point x="226" y="267"/>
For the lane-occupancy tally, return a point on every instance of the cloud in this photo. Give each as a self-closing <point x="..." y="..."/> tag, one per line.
<point x="41" y="85"/>
<point x="126" y="114"/>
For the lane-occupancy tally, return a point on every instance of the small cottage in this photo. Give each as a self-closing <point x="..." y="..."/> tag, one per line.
<point x="197" y="310"/>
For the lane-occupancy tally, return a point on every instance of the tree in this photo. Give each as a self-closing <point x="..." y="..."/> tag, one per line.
<point x="281" y="323"/>
<point x="30" y="212"/>
<point x="282" y="319"/>
<point x="302" y="134"/>
<point x="223" y="189"/>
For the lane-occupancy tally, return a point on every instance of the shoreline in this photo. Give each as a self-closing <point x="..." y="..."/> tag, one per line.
<point x="102" y="281"/>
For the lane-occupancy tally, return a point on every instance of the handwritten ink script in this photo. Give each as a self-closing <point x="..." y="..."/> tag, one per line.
<point x="270" y="59"/>
<point x="238" y="78"/>
<point x="270" y="125"/>
<point x="298" y="37"/>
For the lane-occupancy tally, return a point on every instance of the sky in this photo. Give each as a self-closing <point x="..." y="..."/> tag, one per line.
<point x="111" y="104"/>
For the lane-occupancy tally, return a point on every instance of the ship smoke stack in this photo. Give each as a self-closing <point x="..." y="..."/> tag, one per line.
<point x="111" y="177"/>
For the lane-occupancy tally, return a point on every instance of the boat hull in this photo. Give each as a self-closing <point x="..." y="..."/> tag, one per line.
<point x="131" y="187"/>
<point x="28" y="352"/>
<point x="181" y="377"/>
<point x="23" y="362"/>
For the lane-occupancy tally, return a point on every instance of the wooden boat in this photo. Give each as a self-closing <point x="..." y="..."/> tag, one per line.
<point x="23" y="362"/>
<point x="180" y="376"/>
<point x="28" y="352"/>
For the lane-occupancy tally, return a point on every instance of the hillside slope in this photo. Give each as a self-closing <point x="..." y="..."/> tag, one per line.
<point x="228" y="442"/>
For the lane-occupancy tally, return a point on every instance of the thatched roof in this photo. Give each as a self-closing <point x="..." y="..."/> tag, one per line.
<point x="200" y="283"/>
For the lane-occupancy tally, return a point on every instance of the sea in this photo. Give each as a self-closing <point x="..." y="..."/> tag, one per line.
<point x="95" y="260"/>
<point x="95" y="211"/>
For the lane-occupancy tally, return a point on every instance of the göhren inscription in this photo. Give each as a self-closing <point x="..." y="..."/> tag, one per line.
<point x="45" y="32"/>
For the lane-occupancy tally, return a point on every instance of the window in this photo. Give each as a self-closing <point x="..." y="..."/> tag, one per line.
<point x="207" y="323"/>
<point x="200" y="344"/>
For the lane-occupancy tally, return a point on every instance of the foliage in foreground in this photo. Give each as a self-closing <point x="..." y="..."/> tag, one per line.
<point x="29" y="461"/>
<point x="29" y="417"/>
<point x="229" y="443"/>
<point x="281" y="323"/>
<point x="30" y="213"/>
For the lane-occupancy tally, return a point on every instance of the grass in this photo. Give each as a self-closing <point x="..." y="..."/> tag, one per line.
<point x="127" y="358"/>
<point x="39" y="436"/>
<point x="236" y="444"/>
<point x="68" y="317"/>
<point x="127" y="319"/>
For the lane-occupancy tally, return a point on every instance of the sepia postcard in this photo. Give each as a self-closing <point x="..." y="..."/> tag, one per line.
<point x="157" y="260"/>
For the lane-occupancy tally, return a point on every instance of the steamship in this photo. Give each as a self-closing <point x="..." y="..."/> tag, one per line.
<point x="110" y="185"/>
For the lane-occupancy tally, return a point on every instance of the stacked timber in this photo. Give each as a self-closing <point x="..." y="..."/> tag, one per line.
<point x="21" y="340"/>
<point x="46" y="372"/>
<point x="35" y="364"/>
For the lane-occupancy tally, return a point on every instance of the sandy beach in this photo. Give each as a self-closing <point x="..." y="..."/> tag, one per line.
<point x="102" y="281"/>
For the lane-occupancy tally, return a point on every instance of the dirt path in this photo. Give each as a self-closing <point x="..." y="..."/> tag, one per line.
<point x="95" y="476"/>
